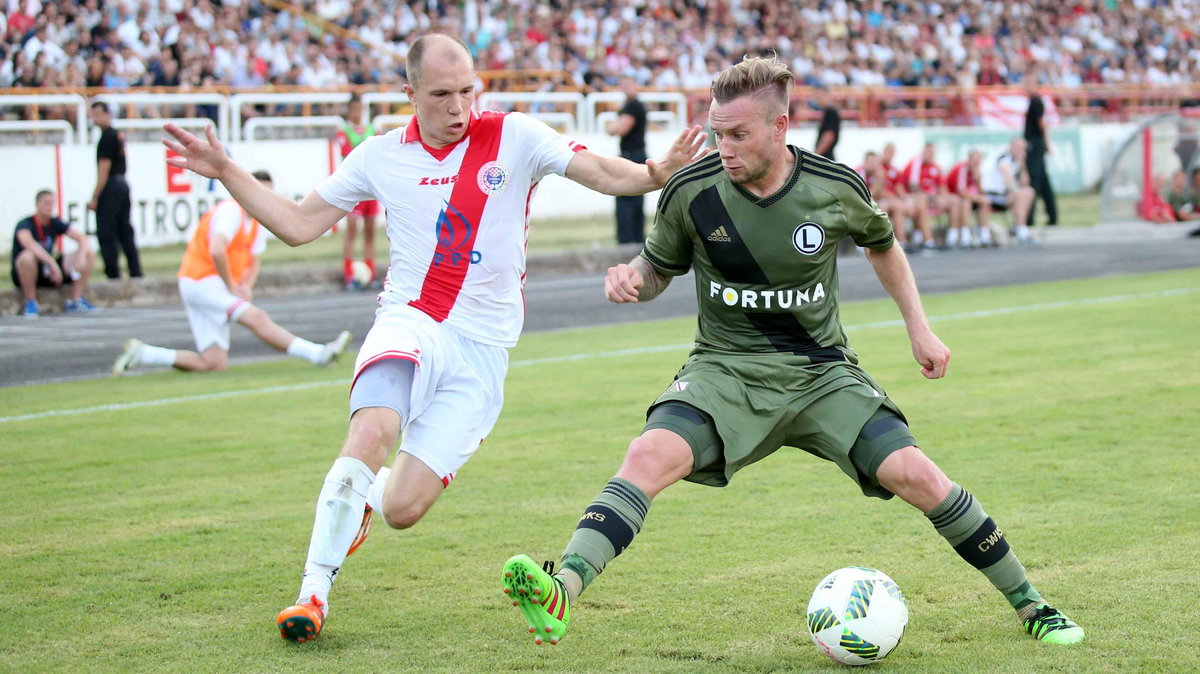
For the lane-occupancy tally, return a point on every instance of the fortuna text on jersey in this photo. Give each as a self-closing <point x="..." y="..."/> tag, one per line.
<point x="768" y="299"/>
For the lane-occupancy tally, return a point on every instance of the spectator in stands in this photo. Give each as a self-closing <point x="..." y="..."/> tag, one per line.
<point x="110" y="199"/>
<point x="1001" y="182"/>
<point x="22" y="21"/>
<point x="38" y="260"/>
<point x="836" y="43"/>
<point x="1038" y="139"/>
<point x="630" y="127"/>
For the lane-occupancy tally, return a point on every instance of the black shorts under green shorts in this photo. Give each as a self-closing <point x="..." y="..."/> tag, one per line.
<point x="739" y="409"/>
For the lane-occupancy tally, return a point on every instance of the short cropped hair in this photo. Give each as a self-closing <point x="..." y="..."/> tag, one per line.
<point x="101" y="105"/>
<point x="755" y="75"/>
<point x="262" y="176"/>
<point x="416" y="55"/>
<point x="42" y="193"/>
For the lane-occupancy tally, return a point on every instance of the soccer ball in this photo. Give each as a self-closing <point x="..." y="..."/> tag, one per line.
<point x="361" y="273"/>
<point x="857" y="615"/>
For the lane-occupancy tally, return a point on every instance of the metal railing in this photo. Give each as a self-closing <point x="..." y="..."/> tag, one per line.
<point x="883" y="106"/>
<point x="303" y="101"/>
<point x="615" y="98"/>
<point x="31" y="131"/>
<point x="36" y="101"/>
<point x="130" y="102"/>
<point x="194" y="124"/>
<point x="255" y="123"/>
<point x="531" y="102"/>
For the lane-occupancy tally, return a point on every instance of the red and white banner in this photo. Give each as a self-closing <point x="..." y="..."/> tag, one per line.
<point x="1007" y="111"/>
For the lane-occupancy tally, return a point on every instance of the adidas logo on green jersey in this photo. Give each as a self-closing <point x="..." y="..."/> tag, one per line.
<point x="720" y="235"/>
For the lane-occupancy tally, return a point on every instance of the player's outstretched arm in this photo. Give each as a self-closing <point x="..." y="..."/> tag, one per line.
<point x="293" y="223"/>
<point x="891" y="266"/>
<point x="621" y="177"/>
<point x="634" y="282"/>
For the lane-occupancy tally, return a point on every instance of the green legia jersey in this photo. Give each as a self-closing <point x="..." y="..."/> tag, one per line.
<point x="766" y="267"/>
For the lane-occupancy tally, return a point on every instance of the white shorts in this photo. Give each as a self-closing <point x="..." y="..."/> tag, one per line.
<point x="457" y="391"/>
<point x="210" y="309"/>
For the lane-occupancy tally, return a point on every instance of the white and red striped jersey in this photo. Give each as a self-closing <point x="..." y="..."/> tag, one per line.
<point x="457" y="216"/>
<point x="924" y="176"/>
<point x="961" y="180"/>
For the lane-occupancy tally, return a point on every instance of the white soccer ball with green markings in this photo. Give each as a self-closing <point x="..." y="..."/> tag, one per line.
<point x="857" y="615"/>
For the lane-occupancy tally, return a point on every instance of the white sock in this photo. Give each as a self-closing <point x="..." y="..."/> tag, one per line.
<point x="156" y="355"/>
<point x="339" y="514"/>
<point x="952" y="237"/>
<point x="985" y="234"/>
<point x="302" y="348"/>
<point x="375" y="493"/>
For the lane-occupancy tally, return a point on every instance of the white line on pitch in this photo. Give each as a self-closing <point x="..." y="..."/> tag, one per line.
<point x="982" y="313"/>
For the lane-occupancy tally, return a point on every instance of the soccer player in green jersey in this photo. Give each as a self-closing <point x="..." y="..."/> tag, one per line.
<point x="758" y="222"/>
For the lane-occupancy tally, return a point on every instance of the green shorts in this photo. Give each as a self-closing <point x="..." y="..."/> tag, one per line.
<point x="750" y="406"/>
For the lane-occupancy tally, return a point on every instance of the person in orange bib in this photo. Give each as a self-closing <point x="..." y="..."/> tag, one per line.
<point x="218" y="272"/>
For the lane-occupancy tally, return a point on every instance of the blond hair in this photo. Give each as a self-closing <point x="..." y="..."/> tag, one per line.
<point x="765" y="77"/>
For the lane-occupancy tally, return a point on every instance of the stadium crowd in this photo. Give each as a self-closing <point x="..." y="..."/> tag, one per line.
<point x="663" y="43"/>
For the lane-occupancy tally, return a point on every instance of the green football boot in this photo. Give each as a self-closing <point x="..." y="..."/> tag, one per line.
<point x="1048" y="625"/>
<point x="541" y="597"/>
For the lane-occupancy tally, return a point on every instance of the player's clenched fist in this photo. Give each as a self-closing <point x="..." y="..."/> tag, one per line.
<point x="622" y="283"/>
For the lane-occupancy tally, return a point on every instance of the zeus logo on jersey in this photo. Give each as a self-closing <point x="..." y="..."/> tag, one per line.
<point x="453" y="236"/>
<point x="784" y="298"/>
<point x="444" y="180"/>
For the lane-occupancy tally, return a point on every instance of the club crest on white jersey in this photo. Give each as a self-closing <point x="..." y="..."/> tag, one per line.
<point x="492" y="178"/>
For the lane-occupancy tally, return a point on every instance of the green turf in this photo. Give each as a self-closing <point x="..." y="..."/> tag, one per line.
<point x="545" y="235"/>
<point x="166" y="538"/>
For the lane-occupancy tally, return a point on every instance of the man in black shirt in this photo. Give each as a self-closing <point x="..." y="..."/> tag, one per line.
<point x="111" y="200"/>
<point x="1039" y="147"/>
<point x="38" y="260"/>
<point x="630" y="125"/>
<point x="831" y="126"/>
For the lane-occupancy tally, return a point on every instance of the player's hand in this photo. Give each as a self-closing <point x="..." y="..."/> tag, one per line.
<point x="622" y="283"/>
<point x="93" y="204"/>
<point x="243" y="291"/>
<point x="931" y="354"/>
<point x="206" y="157"/>
<point x="687" y="148"/>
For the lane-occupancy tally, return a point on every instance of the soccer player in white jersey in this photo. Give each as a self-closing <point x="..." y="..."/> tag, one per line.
<point x="456" y="186"/>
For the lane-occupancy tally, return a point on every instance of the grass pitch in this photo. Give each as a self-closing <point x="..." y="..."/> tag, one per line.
<point x="166" y="537"/>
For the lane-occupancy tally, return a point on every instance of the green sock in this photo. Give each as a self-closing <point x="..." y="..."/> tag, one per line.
<point x="977" y="539"/>
<point x="606" y="529"/>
